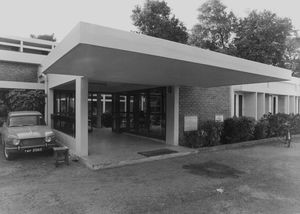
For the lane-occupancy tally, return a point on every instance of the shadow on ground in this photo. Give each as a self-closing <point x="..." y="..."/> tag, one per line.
<point x="213" y="170"/>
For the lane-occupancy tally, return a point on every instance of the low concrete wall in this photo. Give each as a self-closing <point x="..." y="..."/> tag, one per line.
<point x="243" y="144"/>
<point x="66" y="140"/>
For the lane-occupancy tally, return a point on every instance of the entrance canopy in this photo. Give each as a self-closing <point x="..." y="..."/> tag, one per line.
<point x="104" y="54"/>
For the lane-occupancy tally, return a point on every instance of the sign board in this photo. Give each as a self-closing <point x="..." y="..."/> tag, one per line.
<point x="190" y="123"/>
<point x="219" y="118"/>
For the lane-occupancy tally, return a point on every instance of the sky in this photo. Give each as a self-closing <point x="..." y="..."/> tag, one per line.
<point x="22" y="18"/>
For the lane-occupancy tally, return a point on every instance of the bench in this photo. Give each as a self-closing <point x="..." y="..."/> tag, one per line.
<point x="61" y="155"/>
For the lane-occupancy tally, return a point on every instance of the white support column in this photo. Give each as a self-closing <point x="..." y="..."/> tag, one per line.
<point x="231" y="101"/>
<point x="286" y="105"/>
<point x="81" y="116"/>
<point x="291" y="104"/>
<point x="267" y="104"/>
<point x="296" y="105"/>
<point x="50" y="103"/>
<point x="283" y="104"/>
<point x="21" y="46"/>
<point x="270" y="103"/>
<point x="172" y="117"/>
<point x="104" y="104"/>
<point x="260" y="105"/>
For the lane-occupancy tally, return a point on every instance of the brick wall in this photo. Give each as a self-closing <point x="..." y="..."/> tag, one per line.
<point x="21" y="72"/>
<point x="204" y="103"/>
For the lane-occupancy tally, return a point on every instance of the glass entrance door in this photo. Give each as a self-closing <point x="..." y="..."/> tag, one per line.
<point x="145" y="113"/>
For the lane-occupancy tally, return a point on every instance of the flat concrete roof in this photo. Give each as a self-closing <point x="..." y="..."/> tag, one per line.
<point x="106" y="54"/>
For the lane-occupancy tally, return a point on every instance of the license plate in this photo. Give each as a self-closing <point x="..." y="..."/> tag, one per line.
<point x="33" y="150"/>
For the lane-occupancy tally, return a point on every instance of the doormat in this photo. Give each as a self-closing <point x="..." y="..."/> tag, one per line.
<point x="157" y="152"/>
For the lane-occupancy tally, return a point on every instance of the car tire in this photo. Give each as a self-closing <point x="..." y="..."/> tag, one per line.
<point x="8" y="156"/>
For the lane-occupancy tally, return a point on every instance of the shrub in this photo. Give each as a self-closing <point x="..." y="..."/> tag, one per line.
<point x="106" y="119"/>
<point x="295" y="123"/>
<point x="261" y="129"/>
<point x="234" y="130"/>
<point x="237" y="130"/>
<point x="193" y="139"/>
<point x="211" y="131"/>
<point x="25" y="100"/>
<point x="276" y="123"/>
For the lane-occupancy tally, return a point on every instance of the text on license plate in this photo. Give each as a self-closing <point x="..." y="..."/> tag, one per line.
<point x="33" y="150"/>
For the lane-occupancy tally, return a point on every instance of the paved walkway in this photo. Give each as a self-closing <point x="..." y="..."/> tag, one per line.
<point x="261" y="179"/>
<point x="109" y="149"/>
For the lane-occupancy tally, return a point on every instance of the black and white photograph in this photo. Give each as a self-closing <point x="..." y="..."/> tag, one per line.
<point x="149" y="107"/>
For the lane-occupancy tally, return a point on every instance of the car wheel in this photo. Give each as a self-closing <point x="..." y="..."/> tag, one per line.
<point x="7" y="155"/>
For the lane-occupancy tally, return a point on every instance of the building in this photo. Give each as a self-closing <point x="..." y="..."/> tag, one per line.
<point x="153" y="87"/>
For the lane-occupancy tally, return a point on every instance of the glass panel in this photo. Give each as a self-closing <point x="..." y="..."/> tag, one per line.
<point x="157" y="114"/>
<point x="143" y="112"/>
<point x="63" y="118"/>
<point x="240" y="105"/>
<point x="234" y="105"/>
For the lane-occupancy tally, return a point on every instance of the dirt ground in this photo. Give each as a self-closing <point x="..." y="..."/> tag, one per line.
<point x="261" y="179"/>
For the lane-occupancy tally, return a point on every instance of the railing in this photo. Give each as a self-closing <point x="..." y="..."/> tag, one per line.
<point x="33" y="46"/>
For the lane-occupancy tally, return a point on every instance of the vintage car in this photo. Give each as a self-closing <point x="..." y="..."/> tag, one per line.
<point x="24" y="132"/>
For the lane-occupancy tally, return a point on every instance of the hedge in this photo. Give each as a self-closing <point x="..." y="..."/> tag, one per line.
<point x="239" y="129"/>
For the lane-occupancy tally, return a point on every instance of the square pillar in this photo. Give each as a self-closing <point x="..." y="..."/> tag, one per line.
<point x="267" y="104"/>
<point x="172" y="117"/>
<point x="283" y="104"/>
<point x="296" y="105"/>
<point x="81" y="116"/>
<point x="260" y="105"/>
<point x="232" y="102"/>
<point x="50" y="104"/>
<point x="291" y="104"/>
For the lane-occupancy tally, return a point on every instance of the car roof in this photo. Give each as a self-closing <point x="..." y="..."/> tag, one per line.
<point x="23" y="113"/>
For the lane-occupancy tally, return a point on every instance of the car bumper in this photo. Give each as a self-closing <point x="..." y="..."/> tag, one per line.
<point x="26" y="149"/>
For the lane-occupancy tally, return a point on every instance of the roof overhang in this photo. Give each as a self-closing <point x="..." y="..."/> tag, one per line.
<point x="105" y="54"/>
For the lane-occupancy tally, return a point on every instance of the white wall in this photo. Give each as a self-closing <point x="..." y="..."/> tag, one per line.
<point x="250" y="104"/>
<point x="280" y="88"/>
<point x="258" y="98"/>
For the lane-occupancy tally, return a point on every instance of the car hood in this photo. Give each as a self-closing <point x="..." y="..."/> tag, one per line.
<point x="26" y="132"/>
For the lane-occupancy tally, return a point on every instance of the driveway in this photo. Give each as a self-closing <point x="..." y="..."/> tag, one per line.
<point x="261" y="179"/>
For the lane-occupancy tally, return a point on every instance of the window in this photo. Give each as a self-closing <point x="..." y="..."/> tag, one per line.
<point x="145" y="112"/>
<point x="26" y="120"/>
<point x="238" y="105"/>
<point x="274" y="104"/>
<point x="63" y="118"/>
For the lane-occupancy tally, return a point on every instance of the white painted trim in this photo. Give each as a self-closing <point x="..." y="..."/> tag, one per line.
<point x="21" y="85"/>
<point x="21" y="57"/>
<point x="77" y="55"/>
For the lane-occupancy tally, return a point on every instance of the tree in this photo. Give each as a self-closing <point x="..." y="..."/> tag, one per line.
<point x="263" y="37"/>
<point x="215" y="28"/>
<point x="292" y="54"/>
<point x="25" y="100"/>
<point x="48" y="37"/>
<point x="155" y="19"/>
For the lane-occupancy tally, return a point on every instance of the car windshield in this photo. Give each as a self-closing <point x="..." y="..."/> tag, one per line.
<point x="26" y="120"/>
